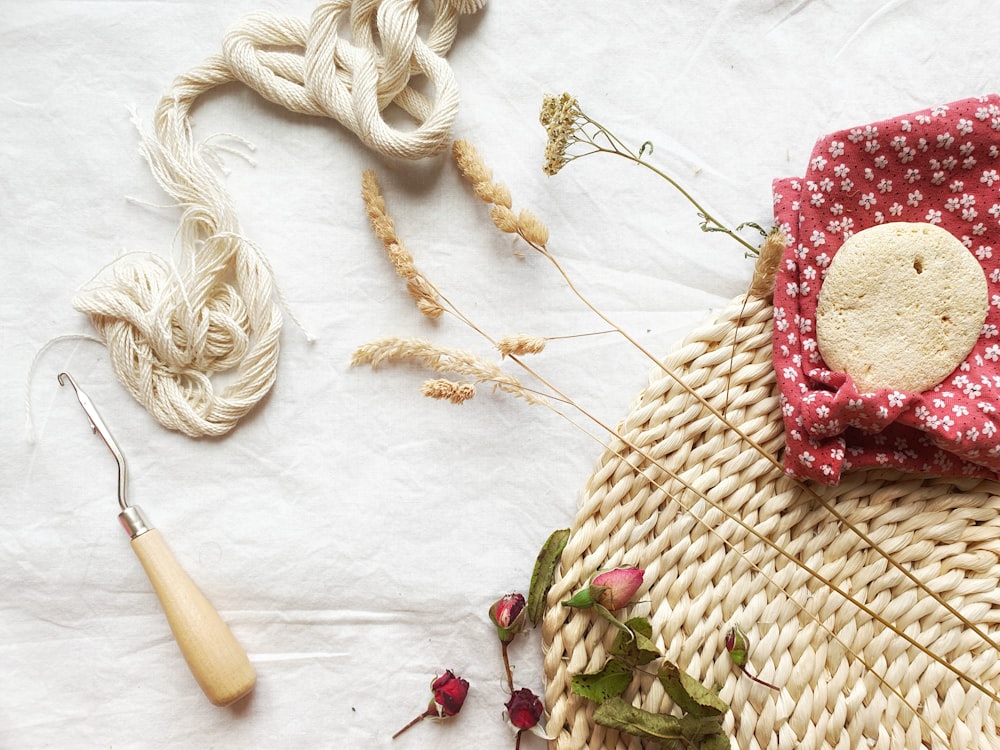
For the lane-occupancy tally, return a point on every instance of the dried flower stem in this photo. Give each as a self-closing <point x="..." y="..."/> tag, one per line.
<point x="444" y="360"/>
<point x="567" y="126"/>
<point x="506" y="666"/>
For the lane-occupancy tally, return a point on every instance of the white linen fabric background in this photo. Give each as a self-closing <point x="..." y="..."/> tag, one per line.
<point x="352" y="532"/>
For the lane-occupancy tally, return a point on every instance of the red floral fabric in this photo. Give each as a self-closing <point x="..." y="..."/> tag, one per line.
<point x="941" y="166"/>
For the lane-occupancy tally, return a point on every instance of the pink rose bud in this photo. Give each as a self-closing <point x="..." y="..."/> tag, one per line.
<point x="509" y="615"/>
<point x="449" y="695"/>
<point x="524" y="709"/>
<point x="619" y="586"/>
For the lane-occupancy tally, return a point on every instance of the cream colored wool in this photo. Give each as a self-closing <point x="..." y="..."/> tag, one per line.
<point x="170" y="329"/>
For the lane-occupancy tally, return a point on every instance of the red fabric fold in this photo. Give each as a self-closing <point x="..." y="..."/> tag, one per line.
<point x="940" y="166"/>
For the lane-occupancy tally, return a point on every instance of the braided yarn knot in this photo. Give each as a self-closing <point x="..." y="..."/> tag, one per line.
<point x="170" y="328"/>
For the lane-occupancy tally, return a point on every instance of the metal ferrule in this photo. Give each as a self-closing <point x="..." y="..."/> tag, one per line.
<point x="133" y="521"/>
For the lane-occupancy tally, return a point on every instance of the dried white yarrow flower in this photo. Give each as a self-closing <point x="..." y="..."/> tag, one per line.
<point x="559" y="118"/>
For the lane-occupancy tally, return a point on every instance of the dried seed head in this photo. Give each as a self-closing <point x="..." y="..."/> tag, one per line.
<point x="504" y="219"/>
<point x="440" y="388"/>
<point x="520" y="344"/>
<point x="532" y="229"/>
<point x="501" y="195"/>
<point x="470" y="163"/>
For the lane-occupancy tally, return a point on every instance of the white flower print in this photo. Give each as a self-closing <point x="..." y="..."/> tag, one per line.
<point x="809" y="273"/>
<point x="790" y="373"/>
<point x="945" y="140"/>
<point x="881" y="162"/>
<point x="995" y="276"/>
<point x="988" y="429"/>
<point x="938" y="178"/>
<point x="950" y="163"/>
<point x="841" y="170"/>
<point x="939" y="111"/>
<point x="989" y="331"/>
<point x="959" y="410"/>
<point x="807" y="458"/>
<point x="984" y="251"/>
<point x="966" y="148"/>
<point x="992" y="353"/>
<point x="867" y="200"/>
<point x="972" y="434"/>
<point x="826" y="185"/>
<point x="956" y="186"/>
<point x="896" y="399"/>
<point x="836" y="149"/>
<point x="847" y="185"/>
<point x="817" y="238"/>
<point x="912" y="175"/>
<point x="856" y="135"/>
<point x="994" y="210"/>
<point x="818" y="199"/>
<point x="969" y="214"/>
<point x="871" y="147"/>
<point x="907" y="154"/>
<point x="837" y="209"/>
<point x="896" y="209"/>
<point x="969" y="162"/>
<point x="933" y="217"/>
<point x="885" y="186"/>
<point x="905" y="125"/>
<point x="989" y="177"/>
<point x="898" y="142"/>
<point x="823" y="411"/>
<point x="822" y="260"/>
<point x="986" y="407"/>
<point x="879" y="217"/>
<point x="964" y="126"/>
<point x="818" y="163"/>
<point x="914" y="198"/>
<point x="869" y="174"/>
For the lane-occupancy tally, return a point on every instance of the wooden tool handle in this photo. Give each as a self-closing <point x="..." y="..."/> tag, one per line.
<point x="217" y="661"/>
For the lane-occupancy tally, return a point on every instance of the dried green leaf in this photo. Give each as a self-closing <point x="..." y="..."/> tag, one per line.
<point x="667" y="730"/>
<point x="689" y="694"/>
<point x="636" y="647"/>
<point x="610" y="682"/>
<point x="544" y="572"/>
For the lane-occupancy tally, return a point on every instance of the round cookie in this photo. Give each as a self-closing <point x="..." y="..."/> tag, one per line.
<point x="901" y="306"/>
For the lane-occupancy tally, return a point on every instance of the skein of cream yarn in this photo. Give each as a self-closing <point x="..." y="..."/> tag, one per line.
<point x="170" y="327"/>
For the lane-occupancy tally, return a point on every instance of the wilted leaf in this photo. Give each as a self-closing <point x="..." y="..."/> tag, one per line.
<point x="689" y="694"/>
<point x="636" y="646"/>
<point x="665" y="729"/>
<point x="610" y="682"/>
<point x="544" y="572"/>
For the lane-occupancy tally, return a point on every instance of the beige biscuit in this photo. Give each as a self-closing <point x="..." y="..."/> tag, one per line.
<point x="901" y="306"/>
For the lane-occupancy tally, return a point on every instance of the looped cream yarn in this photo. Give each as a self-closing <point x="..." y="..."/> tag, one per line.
<point x="705" y="572"/>
<point x="170" y="327"/>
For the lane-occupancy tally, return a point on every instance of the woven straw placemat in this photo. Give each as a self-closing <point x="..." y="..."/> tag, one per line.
<point x="645" y="505"/>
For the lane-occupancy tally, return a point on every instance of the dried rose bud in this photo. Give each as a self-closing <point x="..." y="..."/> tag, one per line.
<point x="449" y="694"/>
<point x="611" y="590"/>
<point x="737" y="645"/>
<point x="524" y="709"/>
<point x="509" y="615"/>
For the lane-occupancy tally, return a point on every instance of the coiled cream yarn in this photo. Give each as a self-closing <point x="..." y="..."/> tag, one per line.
<point x="170" y="327"/>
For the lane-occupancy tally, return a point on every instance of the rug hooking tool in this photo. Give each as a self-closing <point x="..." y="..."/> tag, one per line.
<point x="215" y="657"/>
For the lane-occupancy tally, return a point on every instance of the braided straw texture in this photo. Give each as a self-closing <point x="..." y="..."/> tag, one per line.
<point x="705" y="572"/>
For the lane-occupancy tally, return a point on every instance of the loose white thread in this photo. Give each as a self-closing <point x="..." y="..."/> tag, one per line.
<point x="170" y="329"/>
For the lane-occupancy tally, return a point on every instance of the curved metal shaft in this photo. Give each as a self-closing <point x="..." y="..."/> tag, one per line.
<point x="101" y="430"/>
